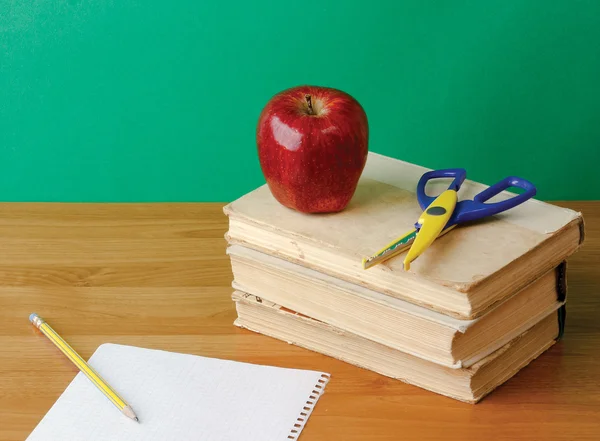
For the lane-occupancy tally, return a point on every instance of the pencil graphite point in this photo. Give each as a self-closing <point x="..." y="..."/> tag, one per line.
<point x="128" y="411"/>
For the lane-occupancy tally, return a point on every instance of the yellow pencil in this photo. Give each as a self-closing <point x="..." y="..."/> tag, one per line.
<point x="114" y="398"/>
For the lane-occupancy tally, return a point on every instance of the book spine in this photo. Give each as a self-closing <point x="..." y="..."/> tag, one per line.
<point x="561" y="281"/>
<point x="581" y="231"/>
<point x="562" y="317"/>
<point x="561" y="290"/>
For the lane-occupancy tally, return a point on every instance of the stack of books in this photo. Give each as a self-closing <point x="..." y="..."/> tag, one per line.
<point x="480" y="304"/>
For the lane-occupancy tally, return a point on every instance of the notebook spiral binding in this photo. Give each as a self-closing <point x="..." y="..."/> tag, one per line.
<point x="308" y="407"/>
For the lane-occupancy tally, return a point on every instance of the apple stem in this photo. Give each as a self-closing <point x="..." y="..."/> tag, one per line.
<point x="309" y="103"/>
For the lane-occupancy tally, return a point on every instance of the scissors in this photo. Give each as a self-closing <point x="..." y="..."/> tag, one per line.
<point x="442" y="213"/>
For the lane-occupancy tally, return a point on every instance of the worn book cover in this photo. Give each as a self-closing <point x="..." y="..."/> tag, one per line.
<point x="463" y="274"/>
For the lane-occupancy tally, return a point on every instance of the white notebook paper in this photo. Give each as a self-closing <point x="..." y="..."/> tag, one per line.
<point x="183" y="397"/>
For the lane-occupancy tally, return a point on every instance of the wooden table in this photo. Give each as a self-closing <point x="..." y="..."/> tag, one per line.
<point x="157" y="276"/>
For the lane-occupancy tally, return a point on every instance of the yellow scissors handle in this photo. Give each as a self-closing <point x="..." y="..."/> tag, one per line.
<point x="432" y="222"/>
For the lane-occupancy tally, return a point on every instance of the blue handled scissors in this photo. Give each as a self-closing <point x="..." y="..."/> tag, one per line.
<point x="442" y="213"/>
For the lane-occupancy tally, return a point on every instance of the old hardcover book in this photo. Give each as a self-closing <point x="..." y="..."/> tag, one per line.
<point x="466" y="384"/>
<point x="393" y="322"/>
<point x="463" y="274"/>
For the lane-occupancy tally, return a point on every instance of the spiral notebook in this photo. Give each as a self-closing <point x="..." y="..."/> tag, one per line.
<point x="183" y="397"/>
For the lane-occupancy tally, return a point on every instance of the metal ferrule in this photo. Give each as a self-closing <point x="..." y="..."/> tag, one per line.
<point x="37" y="321"/>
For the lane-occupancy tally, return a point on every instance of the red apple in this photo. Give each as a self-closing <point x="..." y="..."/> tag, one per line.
<point x="312" y="147"/>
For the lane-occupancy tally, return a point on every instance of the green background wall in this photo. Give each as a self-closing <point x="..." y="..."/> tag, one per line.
<point x="100" y="99"/>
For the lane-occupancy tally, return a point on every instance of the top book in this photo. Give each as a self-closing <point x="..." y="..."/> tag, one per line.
<point x="462" y="274"/>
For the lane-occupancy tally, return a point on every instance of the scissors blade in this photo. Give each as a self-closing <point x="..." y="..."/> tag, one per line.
<point x="432" y="222"/>
<point x="392" y="249"/>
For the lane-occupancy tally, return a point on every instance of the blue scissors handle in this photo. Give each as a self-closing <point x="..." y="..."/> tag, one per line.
<point x="470" y="210"/>
<point x="459" y="175"/>
<point x="478" y="208"/>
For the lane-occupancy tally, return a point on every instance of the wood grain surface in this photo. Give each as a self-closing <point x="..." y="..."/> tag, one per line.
<point x="156" y="275"/>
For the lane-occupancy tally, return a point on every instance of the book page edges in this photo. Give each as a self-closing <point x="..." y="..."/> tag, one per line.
<point x="480" y="289"/>
<point x="240" y="292"/>
<point x="509" y="337"/>
<point x="364" y="292"/>
<point x="456" y="324"/>
<point x="469" y="371"/>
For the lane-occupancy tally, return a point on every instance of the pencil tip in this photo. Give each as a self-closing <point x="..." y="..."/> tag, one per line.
<point x="127" y="410"/>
